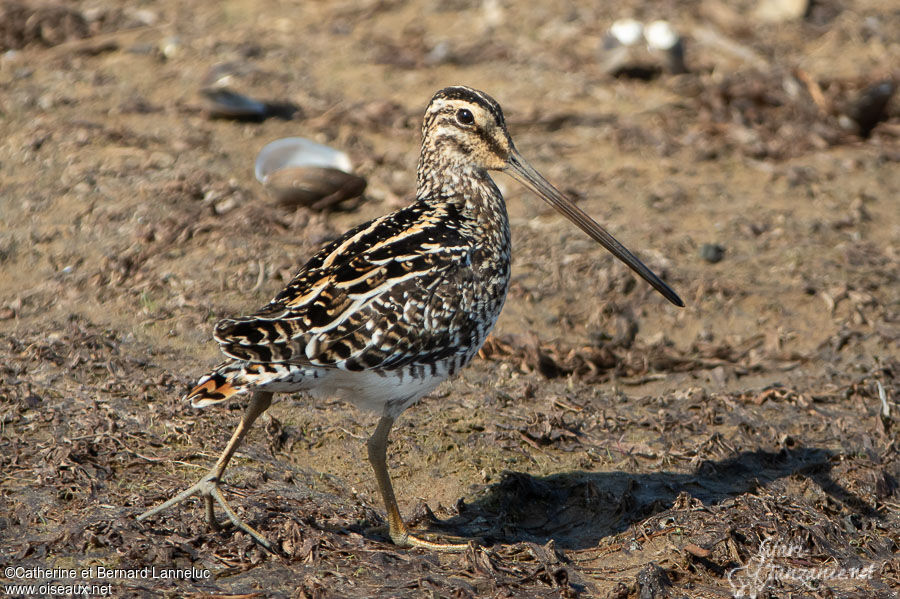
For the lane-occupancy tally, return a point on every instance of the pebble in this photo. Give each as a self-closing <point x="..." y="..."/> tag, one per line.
<point x="870" y="107"/>
<point x="779" y="11"/>
<point x="712" y="252"/>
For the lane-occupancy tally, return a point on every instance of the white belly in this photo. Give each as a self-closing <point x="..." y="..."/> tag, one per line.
<point x="386" y="393"/>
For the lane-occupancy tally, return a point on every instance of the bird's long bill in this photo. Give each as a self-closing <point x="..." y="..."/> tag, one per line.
<point x="523" y="172"/>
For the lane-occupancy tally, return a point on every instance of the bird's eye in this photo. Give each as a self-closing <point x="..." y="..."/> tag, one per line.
<point x="465" y="116"/>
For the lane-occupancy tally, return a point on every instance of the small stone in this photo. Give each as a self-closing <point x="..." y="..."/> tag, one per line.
<point x="653" y="582"/>
<point x="870" y="107"/>
<point x="170" y="47"/>
<point x="441" y="53"/>
<point x="145" y="17"/>
<point x="779" y="11"/>
<point x="227" y="205"/>
<point x="161" y="160"/>
<point x="712" y="252"/>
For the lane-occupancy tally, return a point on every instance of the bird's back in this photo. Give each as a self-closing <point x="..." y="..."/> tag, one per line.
<point x="407" y="298"/>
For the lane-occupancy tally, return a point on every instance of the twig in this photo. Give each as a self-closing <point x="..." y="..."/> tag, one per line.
<point x="814" y="89"/>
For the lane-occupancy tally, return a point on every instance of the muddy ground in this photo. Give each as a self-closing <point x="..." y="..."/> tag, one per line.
<point x="604" y="444"/>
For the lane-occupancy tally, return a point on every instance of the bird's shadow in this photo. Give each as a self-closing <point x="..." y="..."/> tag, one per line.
<point x="578" y="509"/>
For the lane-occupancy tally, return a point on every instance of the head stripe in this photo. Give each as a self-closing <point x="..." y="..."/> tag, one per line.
<point x="467" y="94"/>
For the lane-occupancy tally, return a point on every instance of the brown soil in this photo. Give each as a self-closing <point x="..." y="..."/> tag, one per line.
<point x="605" y="443"/>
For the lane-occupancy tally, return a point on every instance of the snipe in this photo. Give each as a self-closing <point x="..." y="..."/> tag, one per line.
<point x="393" y="307"/>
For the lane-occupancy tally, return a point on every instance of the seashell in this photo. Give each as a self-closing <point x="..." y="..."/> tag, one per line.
<point x="624" y="56"/>
<point x="227" y="74"/>
<point x="622" y="53"/>
<point x="315" y="187"/>
<point x="663" y="39"/>
<point x="297" y="151"/>
<point x="624" y="32"/>
<point x="221" y="102"/>
<point x="300" y="172"/>
<point x="660" y="35"/>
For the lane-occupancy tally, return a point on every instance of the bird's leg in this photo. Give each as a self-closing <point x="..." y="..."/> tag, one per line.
<point x="208" y="486"/>
<point x="400" y="535"/>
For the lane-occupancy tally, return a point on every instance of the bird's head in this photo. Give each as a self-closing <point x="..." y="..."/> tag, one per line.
<point x="465" y="127"/>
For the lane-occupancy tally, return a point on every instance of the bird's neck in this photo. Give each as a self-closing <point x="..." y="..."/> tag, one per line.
<point x="469" y="188"/>
<point x="448" y="177"/>
<point x="448" y="180"/>
<point x="478" y="208"/>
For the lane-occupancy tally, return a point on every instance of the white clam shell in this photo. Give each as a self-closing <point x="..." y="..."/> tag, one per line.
<point x="627" y="31"/>
<point x="298" y="151"/>
<point x="300" y="172"/>
<point x="660" y="35"/>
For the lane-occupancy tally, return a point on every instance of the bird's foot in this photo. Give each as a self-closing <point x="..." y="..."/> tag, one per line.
<point x="435" y="542"/>
<point x="208" y="488"/>
<point x="424" y="539"/>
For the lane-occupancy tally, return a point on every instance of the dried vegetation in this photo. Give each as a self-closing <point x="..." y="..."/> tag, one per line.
<point x="603" y="444"/>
